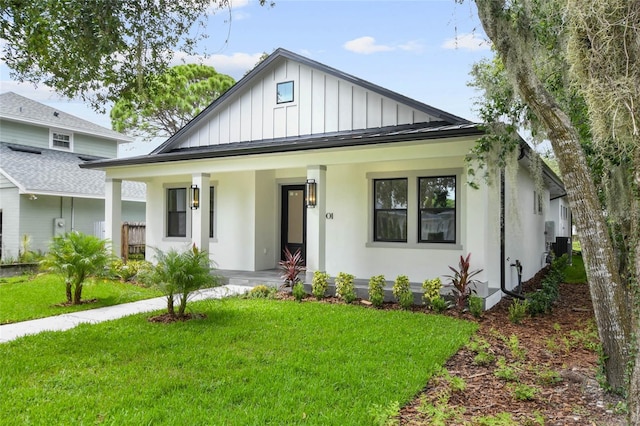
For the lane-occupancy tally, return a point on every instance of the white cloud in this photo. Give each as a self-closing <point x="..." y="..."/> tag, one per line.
<point x="235" y="65"/>
<point x="366" y="45"/>
<point x="469" y="41"/>
<point x="411" y="46"/>
<point x="40" y="93"/>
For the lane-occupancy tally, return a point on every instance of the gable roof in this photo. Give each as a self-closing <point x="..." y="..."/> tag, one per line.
<point x="283" y="54"/>
<point x="15" y="107"/>
<point x="53" y="172"/>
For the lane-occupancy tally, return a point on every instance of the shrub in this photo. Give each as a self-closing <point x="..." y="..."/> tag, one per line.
<point x="180" y="273"/>
<point x="376" y="290"/>
<point x="475" y="306"/>
<point x="431" y="291"/>
<point x="261" y="292"/>
<point x="440" y="304"/>
<point x="292" y="266"/>
<point x="126" y="271"/>
<point x="461" y="280"/>
<point x="541" y="301"/>
<point x="402" y="291"/>
<point x="298" y="291"/>
<point x="518" y="311"/>
<point x="344" y="287"/>
<point x="319" y="284"/>
<point x="76" y="256"/>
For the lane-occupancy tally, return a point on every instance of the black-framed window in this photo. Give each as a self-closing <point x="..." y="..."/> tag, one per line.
<point x="177" y="212"/>
<point x="390" y="209"/>
<point x="211" y="212"/>
<point x="437" y="204"/>
<point x="284" y="92"/>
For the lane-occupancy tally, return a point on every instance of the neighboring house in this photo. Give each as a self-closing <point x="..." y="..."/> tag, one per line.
<point x="43" y="191"/>
<point x="386" y="174"/>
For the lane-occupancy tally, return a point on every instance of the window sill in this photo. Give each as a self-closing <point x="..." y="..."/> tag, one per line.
<point x="419" y="246"/>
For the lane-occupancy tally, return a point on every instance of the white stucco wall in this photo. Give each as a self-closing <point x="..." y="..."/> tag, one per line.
<point x="525" y="226"/>
<point x="562" y="221"/>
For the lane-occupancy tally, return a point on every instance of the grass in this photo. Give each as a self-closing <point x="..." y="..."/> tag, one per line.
<point x="575" y="273"/>
<point x="28" y="297"/>
<point x="248" y="362"/>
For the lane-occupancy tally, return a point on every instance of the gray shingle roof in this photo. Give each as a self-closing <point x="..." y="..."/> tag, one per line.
<point x="48" y="171"/>
<point x="18" y="108"/>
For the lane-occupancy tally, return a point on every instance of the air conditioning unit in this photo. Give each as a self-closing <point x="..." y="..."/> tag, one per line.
<point x="549" y="231"/>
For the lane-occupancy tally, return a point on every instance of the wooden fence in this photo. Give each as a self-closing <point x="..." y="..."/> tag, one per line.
<point x="133" y="239"/>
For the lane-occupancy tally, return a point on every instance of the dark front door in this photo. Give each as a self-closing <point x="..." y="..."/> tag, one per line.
<point x="294" y="220"/>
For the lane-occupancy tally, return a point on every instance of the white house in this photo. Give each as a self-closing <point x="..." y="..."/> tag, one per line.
<point x="387" y="176"/>
<point x="43" y="192"/>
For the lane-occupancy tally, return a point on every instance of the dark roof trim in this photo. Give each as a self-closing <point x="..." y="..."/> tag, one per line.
<point x="393" y="134"/>
<point x="283" y="53"/>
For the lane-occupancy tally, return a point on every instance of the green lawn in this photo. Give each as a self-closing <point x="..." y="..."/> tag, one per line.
<point x="250" y="362"/>
<point x="575" y="273"/>
<point x="29" y="297"/>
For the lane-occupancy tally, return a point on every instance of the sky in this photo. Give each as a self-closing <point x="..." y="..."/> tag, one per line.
<point x="423" y="49"/>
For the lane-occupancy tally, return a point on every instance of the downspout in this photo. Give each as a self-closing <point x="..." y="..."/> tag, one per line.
<point x="503" y="287"/>
<point x="73" y="216"/>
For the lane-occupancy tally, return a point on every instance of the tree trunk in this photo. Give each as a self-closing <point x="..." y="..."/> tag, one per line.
<point x="77" y="294"/>
<point x="170" y="309"/>
<point x="607" y="291"/>
<point x="183" y="304"/>
<point x="634" y="379"/>
<point x="67" y="284"/>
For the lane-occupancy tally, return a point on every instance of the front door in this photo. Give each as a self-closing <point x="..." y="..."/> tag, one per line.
<point x="294" y="220"/>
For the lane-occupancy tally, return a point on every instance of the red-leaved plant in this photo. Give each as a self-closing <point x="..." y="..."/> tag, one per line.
<point x="292" y="266"/>
<point x="461" y="280"/>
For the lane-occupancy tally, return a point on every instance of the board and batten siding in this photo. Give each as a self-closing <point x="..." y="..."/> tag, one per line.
<point x="322" y="103"/>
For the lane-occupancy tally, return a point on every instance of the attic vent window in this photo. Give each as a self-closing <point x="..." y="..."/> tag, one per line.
<point x="284" y="92"/>
<point x="61" y="140"/>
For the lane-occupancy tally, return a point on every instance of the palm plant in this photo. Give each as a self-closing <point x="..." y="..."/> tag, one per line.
<point x="180" y="274"/>
<point x="76" y="256"/>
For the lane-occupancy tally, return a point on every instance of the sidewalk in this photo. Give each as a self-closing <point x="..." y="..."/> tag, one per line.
<point x="62" y="322"/>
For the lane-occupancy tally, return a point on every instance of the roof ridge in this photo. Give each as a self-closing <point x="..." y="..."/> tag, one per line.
<point x="14" y="106"/>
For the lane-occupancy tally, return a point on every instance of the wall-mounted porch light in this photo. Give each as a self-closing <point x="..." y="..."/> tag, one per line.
<point x="195" y="197"/>
<point x="311" y="188"/>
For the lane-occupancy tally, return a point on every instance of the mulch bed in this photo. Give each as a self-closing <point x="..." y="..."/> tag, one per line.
<point x="553" y="355"/>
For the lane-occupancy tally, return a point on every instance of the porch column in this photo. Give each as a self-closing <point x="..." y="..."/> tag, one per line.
<point x="113" y="214"/>
<point x="200" y="216"/>
<point x="316" y="222"/>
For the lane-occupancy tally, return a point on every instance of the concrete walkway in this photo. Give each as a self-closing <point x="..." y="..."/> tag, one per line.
<point x="62" y="322"/>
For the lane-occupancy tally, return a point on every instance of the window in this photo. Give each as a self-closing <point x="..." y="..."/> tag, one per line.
<point x="537" y="203"/>
<point x="61" y="140"/>
<point x="284" y="92"/>
<point x="437" y="209"/>
<point x="177" y="212"/>
<point x="211" y="215"/>
<point x="390" y="210"/>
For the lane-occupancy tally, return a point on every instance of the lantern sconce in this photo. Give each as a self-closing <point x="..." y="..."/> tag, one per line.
<point x="311" y="188"/>
<point x="195" y="197"/>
